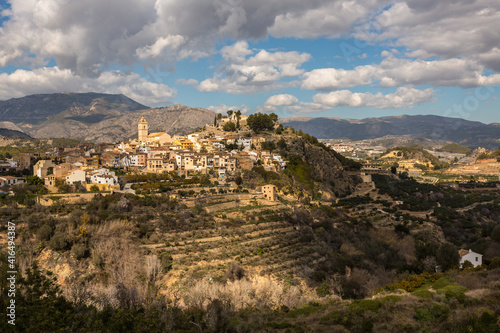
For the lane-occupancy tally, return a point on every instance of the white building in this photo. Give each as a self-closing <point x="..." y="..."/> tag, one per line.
<point x="10" y="180"/>
<point x="76" y="176"/>
<point x="474" y="258"/>
<point x="103" y="176"/>
<point x="246" y="142"/>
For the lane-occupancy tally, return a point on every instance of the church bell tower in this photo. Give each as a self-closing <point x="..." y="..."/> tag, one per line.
<point x="142" y="130"/>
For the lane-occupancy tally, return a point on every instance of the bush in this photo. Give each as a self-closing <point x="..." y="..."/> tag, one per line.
<point x="364" y="305"/>
<point x="44" y="232"/>
<point x="454" y="291"/>
<point x="495" y="263"/>
<point x="323" y="290"/>
<point x="441" y="283"/>
<point x="80" y="251"/>
<point x="58" y="242"/>
<point x="495" y="234"/>
<point x="424" y="293"/>
<point x="234" y="271"/>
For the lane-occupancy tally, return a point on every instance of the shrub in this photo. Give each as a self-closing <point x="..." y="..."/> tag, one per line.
<point x="58" y="242"/>
<point x="364" y="305"/>
<point x="234" y="271"/>
<point x="454" y="291"/>
<point x="495" y="234"/>
<point x="80" y="251"/>
<point x="441" y="283"/>
<point x="44" y="232"/>
<point x="424" y="293"/>
<point x="423" y="315"/>
<point x="495" y="263"/>
<point x="306" y="310"/>
<point x="323" y="290"/>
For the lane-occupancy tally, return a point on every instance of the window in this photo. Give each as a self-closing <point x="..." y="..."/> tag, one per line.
<point x="477" y="258"/>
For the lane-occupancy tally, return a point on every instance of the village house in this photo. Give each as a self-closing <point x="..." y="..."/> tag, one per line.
<point x="23" y="161"/>
<point x="269" y="192"/>
<point x="10" y="180"/>
<point x="6" y="165"/>
<point x="102" y="176"/>
<point x="41" y="167"/>
<point x="76" y="176"/>
<point x="474" y="258"/>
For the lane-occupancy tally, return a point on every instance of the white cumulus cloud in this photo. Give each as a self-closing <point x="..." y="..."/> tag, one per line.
<point x="282" y="100"/>
<point x="393" y="72"/>
<point x="244" y="72"/>
<point x="404" y="97"/>
<point x="53" y="79"/>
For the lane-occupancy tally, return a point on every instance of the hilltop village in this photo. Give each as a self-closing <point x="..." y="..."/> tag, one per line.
<point x="218" y="150"/>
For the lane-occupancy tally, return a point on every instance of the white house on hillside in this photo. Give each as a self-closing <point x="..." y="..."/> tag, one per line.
<point x="474" y="258"/>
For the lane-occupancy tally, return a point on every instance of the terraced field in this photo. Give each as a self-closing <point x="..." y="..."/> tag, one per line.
<point x="257" y="234"/>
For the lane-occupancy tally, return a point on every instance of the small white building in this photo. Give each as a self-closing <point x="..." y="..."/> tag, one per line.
<point x="246" y="142"/>
<point x="474" y="258"/>
<point x="10" y="180"/>
<point x="102" y="176"/>
<point x="76" y="176"/>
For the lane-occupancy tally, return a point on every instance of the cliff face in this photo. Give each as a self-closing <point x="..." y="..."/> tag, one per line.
<point x="324" y="166"/>
<point x="327" y="168"/>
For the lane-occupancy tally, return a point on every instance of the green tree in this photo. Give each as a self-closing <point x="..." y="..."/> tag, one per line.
<point x="495" y="234"/>
<point x="280" y="129"/>
<point x="282" y="144"/>
<point x="229" y="127"/>
<point x="34" y="180"/>
<point x="62" y="186"/>
<point x="230" y="113"/>
<point x="268" y="145"/>
<point x="50" y="170"/>
<point x="215" y="120"/>
<point x="447" y="256"/>
<point x="261" y="121"/>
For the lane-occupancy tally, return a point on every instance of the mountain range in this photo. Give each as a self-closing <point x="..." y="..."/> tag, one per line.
<point x="472" y="134"/>
<point x="106" y="118"/>
<point x="94" y="117"/>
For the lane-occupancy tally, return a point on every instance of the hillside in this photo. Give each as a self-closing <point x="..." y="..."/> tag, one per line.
<point x="468" y="133"/>
<point x="4" y="132"/>
<point x="232" y="259"/>
<point x="455" y="148"/>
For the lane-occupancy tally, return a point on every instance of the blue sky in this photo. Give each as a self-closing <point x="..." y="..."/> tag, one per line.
<point x="336" y="58"/>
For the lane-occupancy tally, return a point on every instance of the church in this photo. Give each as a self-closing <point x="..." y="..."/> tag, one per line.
<point x="160" y="138"/>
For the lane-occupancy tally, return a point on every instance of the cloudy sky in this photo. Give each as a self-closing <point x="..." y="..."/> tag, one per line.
<point x="329" y="58"/>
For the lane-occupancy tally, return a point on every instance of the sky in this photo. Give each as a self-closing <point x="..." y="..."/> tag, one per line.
<point x="315" y="58"/>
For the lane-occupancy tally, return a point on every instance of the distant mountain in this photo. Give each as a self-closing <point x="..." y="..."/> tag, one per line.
<point x="85" y="107"/>
<point x="94" y="117"/>
<point x="13" y="133"/>
<point x="471" y="134"/>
